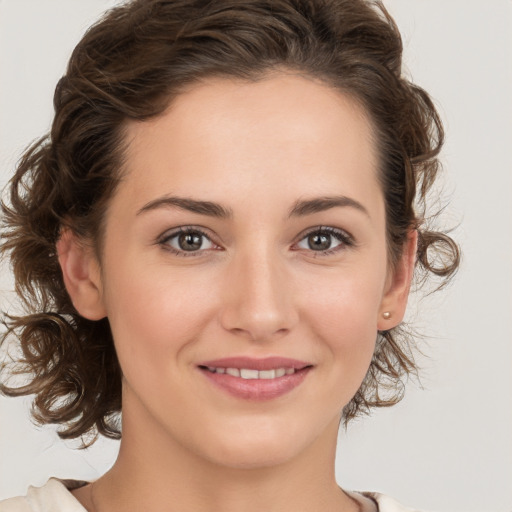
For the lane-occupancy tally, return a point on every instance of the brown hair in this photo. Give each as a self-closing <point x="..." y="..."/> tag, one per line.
<point x="129" y="66"/>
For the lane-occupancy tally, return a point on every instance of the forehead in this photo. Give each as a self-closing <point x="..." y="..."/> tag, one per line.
<point x="284" y="129"/>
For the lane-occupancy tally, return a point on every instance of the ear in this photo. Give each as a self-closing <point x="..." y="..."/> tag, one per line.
<point x="82" y="277"/>
<point x="394" y="301"/>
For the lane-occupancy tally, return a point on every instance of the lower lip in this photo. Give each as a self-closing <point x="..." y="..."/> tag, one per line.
<point x="257" y="389"/>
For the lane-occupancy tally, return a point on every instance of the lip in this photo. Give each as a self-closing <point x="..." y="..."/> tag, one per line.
<point x="256" y="389"/>
<point x="251" y="363"/>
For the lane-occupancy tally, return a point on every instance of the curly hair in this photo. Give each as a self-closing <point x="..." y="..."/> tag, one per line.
<point x="129" y="66"/>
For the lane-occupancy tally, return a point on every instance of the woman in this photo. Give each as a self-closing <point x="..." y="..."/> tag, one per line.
<point x="218" y="238"/>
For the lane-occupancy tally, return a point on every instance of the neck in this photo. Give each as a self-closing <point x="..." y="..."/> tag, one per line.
<point x="154" y="472"/>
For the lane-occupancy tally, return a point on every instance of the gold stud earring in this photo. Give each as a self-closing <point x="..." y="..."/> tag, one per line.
<point x="386" y="315"/>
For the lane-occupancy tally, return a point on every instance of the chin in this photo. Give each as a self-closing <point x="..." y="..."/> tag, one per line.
<point x="259" y="456"/>
<point x="257" y="448"/>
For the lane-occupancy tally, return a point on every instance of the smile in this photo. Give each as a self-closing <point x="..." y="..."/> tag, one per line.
<point x="247" y="373"/>
<point x="256" y="379"/>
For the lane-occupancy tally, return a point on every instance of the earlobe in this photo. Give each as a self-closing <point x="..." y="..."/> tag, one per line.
<point x="81" y="274"/>
<point x="394" y="302"/>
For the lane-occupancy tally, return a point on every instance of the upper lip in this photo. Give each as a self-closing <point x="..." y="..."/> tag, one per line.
<point x="250" y="363"/>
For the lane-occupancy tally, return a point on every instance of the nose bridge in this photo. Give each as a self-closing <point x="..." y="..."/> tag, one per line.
<point x="259" y="299"/>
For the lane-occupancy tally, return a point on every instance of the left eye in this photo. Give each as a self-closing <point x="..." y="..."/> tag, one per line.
<point x="188" y="241"/>
<point x="323" y="240"/>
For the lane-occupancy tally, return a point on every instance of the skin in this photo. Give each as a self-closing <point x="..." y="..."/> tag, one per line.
<point x="255" y="288"/>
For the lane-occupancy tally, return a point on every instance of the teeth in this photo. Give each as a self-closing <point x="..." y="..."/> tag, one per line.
<point x="249" y="374"/>
<point x="246" y="373"/>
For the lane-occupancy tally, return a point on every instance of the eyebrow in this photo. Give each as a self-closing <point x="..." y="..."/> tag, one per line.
<point x="321" y="204"/>
<point x="191" y="205"/>
<point x="211" y="209"/>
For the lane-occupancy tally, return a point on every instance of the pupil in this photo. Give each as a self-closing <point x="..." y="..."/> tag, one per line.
<point x="190" y="241"/>
<point x="319" y="242"/>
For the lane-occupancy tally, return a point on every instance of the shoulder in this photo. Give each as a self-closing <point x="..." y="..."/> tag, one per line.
<point x="376" y="502"/>
<point x="388" y="504"/>
<point x="54" y="496"/>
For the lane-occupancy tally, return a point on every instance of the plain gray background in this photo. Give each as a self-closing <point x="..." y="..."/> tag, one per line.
<point x="448" y="445"/>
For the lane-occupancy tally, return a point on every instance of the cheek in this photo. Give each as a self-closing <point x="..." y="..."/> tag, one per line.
<point x="154" y="316"/>
<point x="346" y="301"/>
<point x="344" y="320"/>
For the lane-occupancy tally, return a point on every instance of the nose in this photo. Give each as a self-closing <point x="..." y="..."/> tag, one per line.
<point x="258" y="297"/>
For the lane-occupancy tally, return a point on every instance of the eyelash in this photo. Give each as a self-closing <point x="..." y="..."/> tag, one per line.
<point x="345" y="239"/>
<point x="164" y="240"/>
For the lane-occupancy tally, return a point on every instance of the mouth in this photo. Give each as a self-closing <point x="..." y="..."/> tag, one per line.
<point x="249" y="374"/>
<point x="256" y="379"/>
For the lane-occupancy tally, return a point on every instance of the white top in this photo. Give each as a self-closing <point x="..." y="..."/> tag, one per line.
<point x="54" y="496"/>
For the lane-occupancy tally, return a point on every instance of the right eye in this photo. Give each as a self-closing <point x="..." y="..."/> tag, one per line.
<point x="325" y="240"/>
<point x="187" y="242"/>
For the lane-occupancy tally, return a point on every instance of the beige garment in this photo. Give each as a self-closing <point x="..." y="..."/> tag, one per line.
<point x="55" y="496"/>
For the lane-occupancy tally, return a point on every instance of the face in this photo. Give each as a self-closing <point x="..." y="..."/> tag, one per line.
<point x="244" y="270"/>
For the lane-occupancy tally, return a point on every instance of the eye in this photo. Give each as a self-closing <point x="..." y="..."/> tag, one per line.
<point x="326" y="240"/>
<point x="186" y="241"/>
